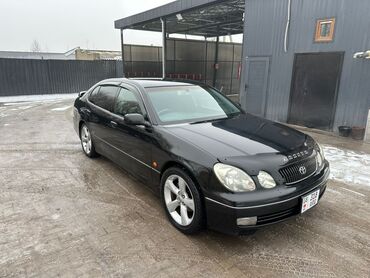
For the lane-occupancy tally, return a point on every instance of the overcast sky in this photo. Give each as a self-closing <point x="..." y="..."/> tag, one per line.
<point x="59" y="25"/>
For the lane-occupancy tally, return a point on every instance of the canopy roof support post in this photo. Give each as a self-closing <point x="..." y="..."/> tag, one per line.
<point x="164" y="47"/>
<point x="216" y="66"/>
<point x="205" y="60"/>
<point x="122" y="53"/>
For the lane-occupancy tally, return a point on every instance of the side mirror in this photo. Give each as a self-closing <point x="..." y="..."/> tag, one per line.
<point x="136" y="119"/>
<point x="80" y="94"/>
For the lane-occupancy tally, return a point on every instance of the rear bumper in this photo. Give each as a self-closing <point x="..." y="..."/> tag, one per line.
<point x="223" y="217"/>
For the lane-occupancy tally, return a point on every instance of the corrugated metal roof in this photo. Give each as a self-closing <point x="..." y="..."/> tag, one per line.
<point x="198" y="17"/>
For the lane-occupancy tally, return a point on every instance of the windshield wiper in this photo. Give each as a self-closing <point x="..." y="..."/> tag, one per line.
<point x="207" y="121"/>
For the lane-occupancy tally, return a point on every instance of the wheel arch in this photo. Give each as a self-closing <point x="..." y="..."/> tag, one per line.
<point x="79" y="127"/>
<point x="187" y="170"/>
<point x="173" y="163"/>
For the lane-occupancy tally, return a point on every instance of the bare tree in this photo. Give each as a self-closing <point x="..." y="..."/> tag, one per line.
<point x="35" y="46"/>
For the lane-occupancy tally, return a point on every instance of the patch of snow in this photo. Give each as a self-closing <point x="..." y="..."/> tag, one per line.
<point x="354" y="192"/>
<point x="55" y="216"/>
<point x="15" y="100"/>
<point x="348" y="166"/>
<point x="17" y="103"/>
<point x="25" y="107"/>
<point x="21" y="108"/>
<point x="61" y="108"/>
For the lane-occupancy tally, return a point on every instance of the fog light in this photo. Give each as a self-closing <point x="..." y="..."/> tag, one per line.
<point x="247" y="221"/>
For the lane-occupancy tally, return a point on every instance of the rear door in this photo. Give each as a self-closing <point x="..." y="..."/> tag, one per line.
<point x="100" y="121"/>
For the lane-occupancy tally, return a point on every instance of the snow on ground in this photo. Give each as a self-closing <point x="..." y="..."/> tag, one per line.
<point x="18" y="103"/>
<point x="61" y="108"/>
<point x="348" y="166"/>
<point x="14" y="100"/>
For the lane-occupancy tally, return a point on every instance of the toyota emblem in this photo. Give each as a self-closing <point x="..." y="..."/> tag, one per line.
<point x="302" y="170"/>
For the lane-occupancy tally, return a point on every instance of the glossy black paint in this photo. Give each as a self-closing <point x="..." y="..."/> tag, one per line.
<point x="246" y="141"/>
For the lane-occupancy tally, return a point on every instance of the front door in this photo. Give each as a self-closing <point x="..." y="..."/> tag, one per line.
<point x="314" y="89"/>
<point x="133" y="142"/>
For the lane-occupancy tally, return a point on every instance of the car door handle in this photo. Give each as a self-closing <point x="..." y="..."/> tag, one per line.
<point x="113" y="124"/>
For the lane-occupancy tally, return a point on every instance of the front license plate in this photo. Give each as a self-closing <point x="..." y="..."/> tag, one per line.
<point x="310" y="200"/>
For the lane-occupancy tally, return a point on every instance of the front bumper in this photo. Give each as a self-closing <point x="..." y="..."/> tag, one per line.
<point x="222" y="215"/>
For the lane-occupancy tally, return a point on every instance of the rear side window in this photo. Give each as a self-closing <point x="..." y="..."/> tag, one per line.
<point x="105" y="97"/>
<point x="127" y="103"/>
<point x="94" y="94"/>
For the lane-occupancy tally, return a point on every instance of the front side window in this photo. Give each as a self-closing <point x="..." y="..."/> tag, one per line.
<point x="185" y="104"/>
<point x="105" y="97"/>
<point x="127" y="103"/>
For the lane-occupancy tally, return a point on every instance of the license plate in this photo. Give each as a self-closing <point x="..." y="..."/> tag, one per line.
<point x="310" y="200"/>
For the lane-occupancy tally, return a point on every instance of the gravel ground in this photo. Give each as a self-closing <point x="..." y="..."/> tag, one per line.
<point x="62" y="214"/>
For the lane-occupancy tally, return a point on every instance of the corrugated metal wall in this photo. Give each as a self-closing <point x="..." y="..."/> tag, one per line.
<point x="143" y="61"/>
<point x="198" y="57"/>
<point x="30" y="77"/>
<point x="264" y="37"/>
<point x="186" y="59"/>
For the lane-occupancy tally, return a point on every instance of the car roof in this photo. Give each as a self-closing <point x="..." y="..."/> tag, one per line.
<point x="149" y="82"/>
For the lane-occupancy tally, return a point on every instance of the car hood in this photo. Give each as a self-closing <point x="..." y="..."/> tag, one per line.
<point x="241" y="136"/>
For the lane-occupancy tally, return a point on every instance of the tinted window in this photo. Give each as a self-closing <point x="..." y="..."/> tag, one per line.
<point x="190" y="103"/>
<point x="94" y="94"/>
<point x="105" y="97"/>
<point x="127" y="103"/>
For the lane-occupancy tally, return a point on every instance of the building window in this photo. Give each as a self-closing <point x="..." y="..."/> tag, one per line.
<point x="325" y="30"/>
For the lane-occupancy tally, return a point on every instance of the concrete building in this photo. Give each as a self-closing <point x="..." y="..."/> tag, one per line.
<point x="304" y="62"/>
<point x="91" y="55"/>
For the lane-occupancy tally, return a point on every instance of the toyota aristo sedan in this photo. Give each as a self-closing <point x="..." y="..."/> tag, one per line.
<point x="212" y="163"/>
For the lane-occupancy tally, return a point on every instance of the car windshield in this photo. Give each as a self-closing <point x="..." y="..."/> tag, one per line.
<point x="190" y="104"/>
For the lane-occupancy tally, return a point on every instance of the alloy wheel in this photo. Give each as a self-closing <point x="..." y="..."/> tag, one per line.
<point x="179" y="200"/>
<point x="86" y="139"/>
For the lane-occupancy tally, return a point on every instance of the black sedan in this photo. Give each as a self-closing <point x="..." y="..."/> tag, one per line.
<point x="212" y="163"/>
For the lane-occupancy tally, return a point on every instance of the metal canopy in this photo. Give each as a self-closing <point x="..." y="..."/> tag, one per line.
<point x="209" y="18"/>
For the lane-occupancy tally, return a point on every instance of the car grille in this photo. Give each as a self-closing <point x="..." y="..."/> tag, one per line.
<point x="299" y="170"/>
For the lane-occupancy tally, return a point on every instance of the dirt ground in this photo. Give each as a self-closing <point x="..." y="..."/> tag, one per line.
<point x="62" y="214"/>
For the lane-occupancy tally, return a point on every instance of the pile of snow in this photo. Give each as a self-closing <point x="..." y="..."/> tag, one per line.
<point x="348" y="166"/>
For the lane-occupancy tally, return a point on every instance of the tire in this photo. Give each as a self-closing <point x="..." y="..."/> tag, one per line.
<point x="181" y="200"/>
<point x="86" y="142"/>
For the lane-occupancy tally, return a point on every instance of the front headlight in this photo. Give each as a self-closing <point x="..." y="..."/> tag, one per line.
<point x="266" y="180"/>
<point x="233" y="178"/>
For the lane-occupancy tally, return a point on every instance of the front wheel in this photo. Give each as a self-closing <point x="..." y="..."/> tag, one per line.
<point x="182" y="201"/>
